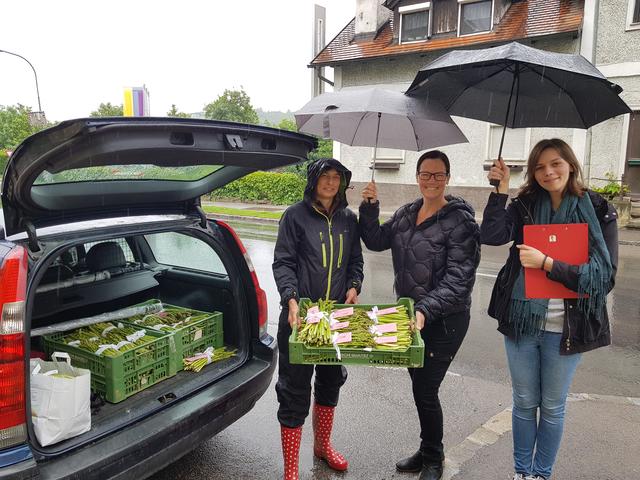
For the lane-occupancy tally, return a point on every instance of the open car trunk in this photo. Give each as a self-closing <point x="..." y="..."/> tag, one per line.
<point x="184" y="264"/>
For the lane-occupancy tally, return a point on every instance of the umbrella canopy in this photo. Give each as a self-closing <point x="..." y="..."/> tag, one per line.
<point x="376" y="117"/>
<point x="519" y="86"/>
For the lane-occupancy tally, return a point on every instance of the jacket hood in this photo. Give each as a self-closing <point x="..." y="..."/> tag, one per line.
<point x="315" y="169"/>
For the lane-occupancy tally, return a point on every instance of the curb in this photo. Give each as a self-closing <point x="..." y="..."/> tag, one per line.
<point x="242" y="218"/>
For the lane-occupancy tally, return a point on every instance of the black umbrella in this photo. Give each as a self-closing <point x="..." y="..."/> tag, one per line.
<point x="518" y="86"/>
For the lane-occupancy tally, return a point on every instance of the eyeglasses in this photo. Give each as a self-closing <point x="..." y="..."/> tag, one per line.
<point x="438" y="176"/>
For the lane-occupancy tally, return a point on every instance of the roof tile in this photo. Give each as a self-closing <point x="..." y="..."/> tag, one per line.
<point x="525" y="19"/>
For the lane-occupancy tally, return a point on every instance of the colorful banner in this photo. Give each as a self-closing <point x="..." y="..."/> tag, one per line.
<point x="136" y="102"/>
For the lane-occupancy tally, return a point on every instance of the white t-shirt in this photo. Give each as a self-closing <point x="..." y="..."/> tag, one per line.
<point x="555" y="315"/>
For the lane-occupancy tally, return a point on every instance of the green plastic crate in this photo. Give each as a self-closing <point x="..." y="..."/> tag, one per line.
<point x="192" y="338"/>
<point x="413" y="356"/>
<point x="119" y="377"/>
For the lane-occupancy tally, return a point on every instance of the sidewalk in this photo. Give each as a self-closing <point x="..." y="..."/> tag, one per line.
<point x="626" y="236"/>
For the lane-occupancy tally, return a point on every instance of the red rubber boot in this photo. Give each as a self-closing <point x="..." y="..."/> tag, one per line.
<point x="290" y="450"/>
<point x="322" y="425"/>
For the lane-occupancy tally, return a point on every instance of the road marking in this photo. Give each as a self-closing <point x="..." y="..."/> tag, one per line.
<point x="488" y="275"/>
<point x="488" y="434"/>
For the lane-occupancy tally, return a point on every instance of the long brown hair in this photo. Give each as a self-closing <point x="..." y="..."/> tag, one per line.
<point x="575" y="185"/>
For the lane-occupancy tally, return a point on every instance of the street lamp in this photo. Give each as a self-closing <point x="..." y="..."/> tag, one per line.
<point x="34" y="74"/>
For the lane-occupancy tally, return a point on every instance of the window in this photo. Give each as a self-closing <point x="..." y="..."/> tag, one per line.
<point x="475" y="16"/>
<point x="180" y="250"/>
<point x="414" y="22"/>
<point x="516" y="143"/>
<point x="387" y="158"/>
<point x="633" y="15"/>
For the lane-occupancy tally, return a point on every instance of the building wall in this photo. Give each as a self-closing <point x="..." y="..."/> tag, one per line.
<point x="612" y="34"/>
<point x="469" y="161"/>
<point x="618" y="57"/>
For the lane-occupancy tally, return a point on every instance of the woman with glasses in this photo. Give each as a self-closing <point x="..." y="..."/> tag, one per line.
<point x="435" y="246"/>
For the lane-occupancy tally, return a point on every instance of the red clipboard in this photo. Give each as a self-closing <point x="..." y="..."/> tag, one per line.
<point x="568" y="243"/>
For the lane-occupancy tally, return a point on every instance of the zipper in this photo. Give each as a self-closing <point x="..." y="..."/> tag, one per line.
<point x="566" y="317"/>
<point x="324" y="252"/>
<point x="340" y="251"/>
<point x="330" y="253"/>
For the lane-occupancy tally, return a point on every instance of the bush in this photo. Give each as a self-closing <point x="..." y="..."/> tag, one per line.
<point x="612" y="190"/>
<point x="4" y="158"/>
<point x="275" y="188"/>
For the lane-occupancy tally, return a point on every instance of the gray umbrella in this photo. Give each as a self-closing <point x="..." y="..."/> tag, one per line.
<point x="375" y="117"/>
<point x="518" y="86"/>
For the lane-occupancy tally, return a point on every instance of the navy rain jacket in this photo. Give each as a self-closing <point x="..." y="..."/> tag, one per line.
<point x="318" y="256"/>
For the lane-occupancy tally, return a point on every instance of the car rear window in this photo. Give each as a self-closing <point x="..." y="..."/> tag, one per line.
<point x="180" y="250"/>
<point x="188" y="173"/>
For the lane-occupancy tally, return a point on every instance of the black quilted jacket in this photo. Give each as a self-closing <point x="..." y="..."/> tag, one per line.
<point x="434" y="262"/>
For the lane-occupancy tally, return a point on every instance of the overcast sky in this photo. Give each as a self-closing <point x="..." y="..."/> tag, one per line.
<point x="186" y="52"/>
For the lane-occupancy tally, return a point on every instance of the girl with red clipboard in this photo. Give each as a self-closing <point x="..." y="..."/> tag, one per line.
<point x="544" y="338"/>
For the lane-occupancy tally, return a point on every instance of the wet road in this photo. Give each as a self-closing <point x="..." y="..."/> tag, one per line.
<point x="377" y="421"/>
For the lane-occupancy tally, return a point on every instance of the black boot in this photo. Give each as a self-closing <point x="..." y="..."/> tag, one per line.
<point x="431" y="472"/>
<point x="411" y="464"/>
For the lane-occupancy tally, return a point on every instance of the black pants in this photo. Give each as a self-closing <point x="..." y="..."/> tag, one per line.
<point x="294" y="381"/>
<point x="442" y="339"/>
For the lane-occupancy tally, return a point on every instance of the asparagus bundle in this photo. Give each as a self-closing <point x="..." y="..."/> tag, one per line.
<point x="210" y="355"/>
<point x="107" y="338"/>
<point x="403" y="329"/>
<point x="168" y="319"/>
<point x="316" y="330"/>
<point x="390" y="329"/>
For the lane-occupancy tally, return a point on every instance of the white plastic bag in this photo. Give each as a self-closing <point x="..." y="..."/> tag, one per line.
<point x="60" y="405"/>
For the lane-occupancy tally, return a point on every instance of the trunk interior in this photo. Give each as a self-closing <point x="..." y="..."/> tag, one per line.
<point x="74" y="283"/>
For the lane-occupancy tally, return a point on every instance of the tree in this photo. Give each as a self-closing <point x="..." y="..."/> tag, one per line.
<point x="324" y="150"/>
<point x="108" y="110"/>
<point x="15" y="126"/>
<point x="174" y="112"/>
<point x="233" y="106"/>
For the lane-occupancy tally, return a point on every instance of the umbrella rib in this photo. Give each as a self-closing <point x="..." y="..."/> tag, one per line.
<point x="415" y="135"/>
<point x="355" y="131"/>
<point x="476" y="83"/>
<point x="562" y="89"/>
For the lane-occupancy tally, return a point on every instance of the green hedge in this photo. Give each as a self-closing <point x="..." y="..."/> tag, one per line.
<point x="275" y="188"/>
<point x="3" y="162"/>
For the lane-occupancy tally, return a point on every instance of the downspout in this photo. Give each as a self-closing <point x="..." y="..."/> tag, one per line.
<point x="588" y="49"/>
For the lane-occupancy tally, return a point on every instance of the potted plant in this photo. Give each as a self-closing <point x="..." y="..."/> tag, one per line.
<point x="616" y="193"/>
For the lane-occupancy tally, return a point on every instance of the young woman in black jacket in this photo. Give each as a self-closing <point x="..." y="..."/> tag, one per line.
<point x="544" y="338"/>
<point x="317" y="255"/>
<point x="435" y="246"/>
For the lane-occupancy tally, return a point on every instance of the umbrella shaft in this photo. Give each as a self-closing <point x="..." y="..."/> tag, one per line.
<point x="375" y="150"/>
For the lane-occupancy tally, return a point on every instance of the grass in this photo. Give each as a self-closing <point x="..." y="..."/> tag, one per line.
<point x="241" y="212"/>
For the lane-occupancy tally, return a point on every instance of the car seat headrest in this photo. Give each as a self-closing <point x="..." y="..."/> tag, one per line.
<point x="104" y="256"/>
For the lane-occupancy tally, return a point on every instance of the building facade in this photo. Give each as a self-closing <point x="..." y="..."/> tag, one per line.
<point x="388" y="42"/>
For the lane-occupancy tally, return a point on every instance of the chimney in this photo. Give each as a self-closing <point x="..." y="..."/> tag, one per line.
<point x="370" y="16"/>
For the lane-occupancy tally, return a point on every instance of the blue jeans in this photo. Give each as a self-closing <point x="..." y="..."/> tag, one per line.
<point x="540" y="379"/>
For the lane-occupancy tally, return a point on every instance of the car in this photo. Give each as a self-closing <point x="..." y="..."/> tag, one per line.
<point x="101" y="214"/>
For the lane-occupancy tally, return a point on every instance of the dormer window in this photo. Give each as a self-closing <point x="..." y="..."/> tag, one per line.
<point x="414" y="22"/>
<point x="475" y="16"/>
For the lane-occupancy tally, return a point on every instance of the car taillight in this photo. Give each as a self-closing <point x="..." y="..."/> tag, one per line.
<point x="13" y="289"/>
<point x="261" y="296"/>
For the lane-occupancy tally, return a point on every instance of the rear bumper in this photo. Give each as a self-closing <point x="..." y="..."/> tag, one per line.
<point x="148" y="446"/>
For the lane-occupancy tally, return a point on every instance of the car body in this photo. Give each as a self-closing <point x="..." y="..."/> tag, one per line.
<point x="101" y="214"/>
